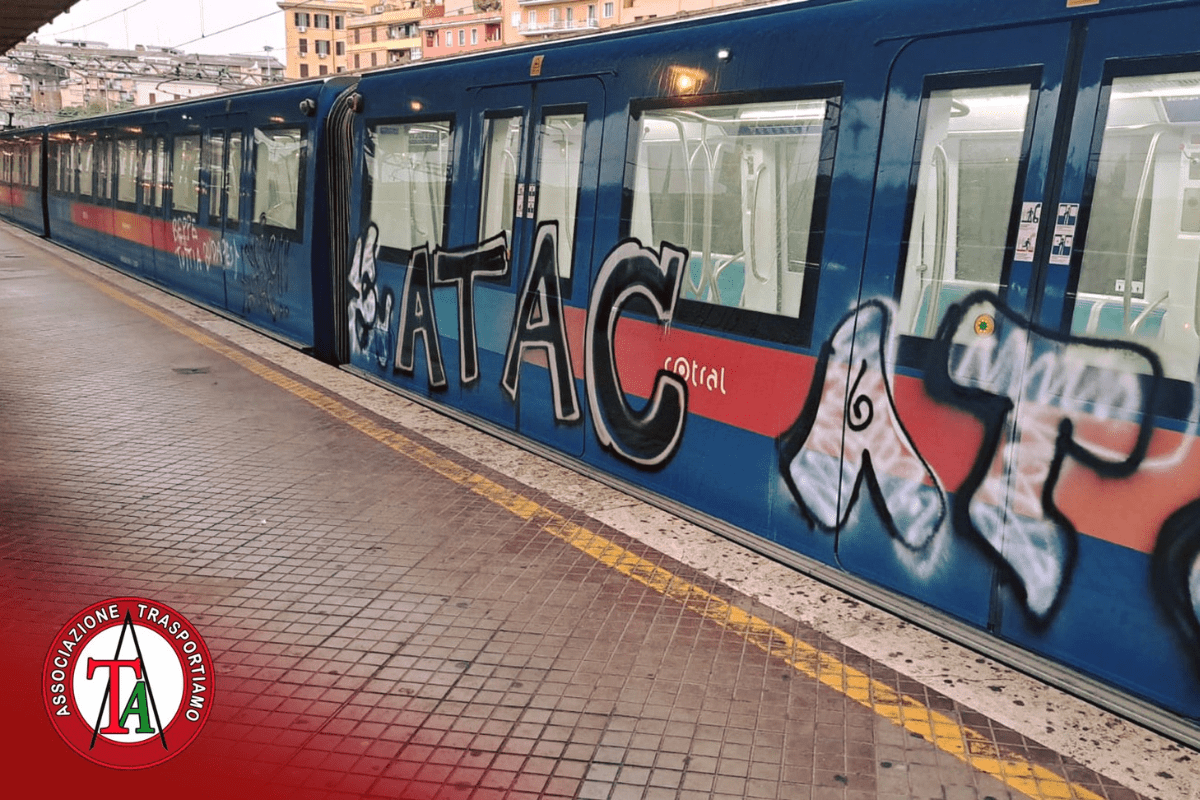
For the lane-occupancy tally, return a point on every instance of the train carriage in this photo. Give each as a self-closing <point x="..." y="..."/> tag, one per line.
<point x="905" y="295"/>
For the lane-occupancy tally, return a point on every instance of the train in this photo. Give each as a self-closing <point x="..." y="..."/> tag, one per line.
<point x="905" y="295"/>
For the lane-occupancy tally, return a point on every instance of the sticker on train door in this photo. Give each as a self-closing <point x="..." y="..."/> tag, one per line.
<point x="1027" y="231"/>
<point x="1064" y="233"/>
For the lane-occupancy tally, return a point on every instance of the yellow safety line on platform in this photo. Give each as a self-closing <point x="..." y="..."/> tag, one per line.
<point x="943" y="732"/>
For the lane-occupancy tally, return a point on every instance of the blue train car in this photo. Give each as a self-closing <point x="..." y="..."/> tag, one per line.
<point x="212" y="199"/>
<point x="21" y="198"/>
<point x="904" y="294"/>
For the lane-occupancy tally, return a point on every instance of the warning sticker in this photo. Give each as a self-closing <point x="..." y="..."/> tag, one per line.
<point x="1027" y="231"/>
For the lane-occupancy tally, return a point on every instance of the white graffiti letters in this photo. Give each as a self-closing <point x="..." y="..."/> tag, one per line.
<point x="876" y="446"/>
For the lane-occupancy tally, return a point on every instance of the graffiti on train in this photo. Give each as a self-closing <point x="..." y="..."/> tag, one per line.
<point x="647" y="437"/>
<point x="264" y="276"/>
<point x="1030" y="389"/>
<point x="197" y="252"/>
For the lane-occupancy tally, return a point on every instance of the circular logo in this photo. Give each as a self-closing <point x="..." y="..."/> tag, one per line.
<point x="985" y="325"/>
<point x="128" y="683"/>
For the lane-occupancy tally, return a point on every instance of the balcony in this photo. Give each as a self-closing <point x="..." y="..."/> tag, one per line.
<point x="557" y="26"/>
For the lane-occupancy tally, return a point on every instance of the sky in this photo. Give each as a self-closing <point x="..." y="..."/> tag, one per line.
<point x="193" y="26"/>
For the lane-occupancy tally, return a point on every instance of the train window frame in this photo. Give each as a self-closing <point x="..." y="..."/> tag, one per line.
<point x="178" y="211"/>
<point x="85" y="167"/>
<point x="778" y="328"/>
<point x="118" y="199"/>
<point x="386" y="252"/>
<point x="490" y="116"/>
<point x="913" y="346"/>
<point x="214" y="174"/>
<point x="233" y="193"/>
<point x="259" y="226"/>
<point x="1177" y="397"/>
<point x="566" y="272"/>
<point x="146" y="171"/>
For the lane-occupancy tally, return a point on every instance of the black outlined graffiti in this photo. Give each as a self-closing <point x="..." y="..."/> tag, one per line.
<point x="842" y="440"/>
<point x="417" y="319"/>
<point x="1027" y="386"/>
<point x="460" y="268"/>
<point x="264" y="276"/>
<point x="650" y="437"/>
<point x="1175" y="574"/>
<point x="539" y="324"/>
<point x="370" y="307"/>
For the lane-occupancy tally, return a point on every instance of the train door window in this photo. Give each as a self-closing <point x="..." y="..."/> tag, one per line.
<point x="215" y="164"/>
<point x="743" y="187"/>
<point x="103" y="159"/>
<point x="127" y="174"/>
<point x="85" y="168"/>
<point x="501" y="165"/>
<point x="1138" y="278"/>
<point x="408" y="170"/>
<point x="972" y="148"/>
<point x="35" y="166"/>
<point x="560" y="159"/>
<point x="54" y="169"/>
<point x="233" y="178"/>
<point x="146" y="174"/>
<point x="185" y="174"/>
<point x="160" y="171"/>
<point x="279" y="155"/>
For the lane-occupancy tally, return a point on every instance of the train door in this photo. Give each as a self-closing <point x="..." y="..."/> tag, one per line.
<point x="965" y="167"/>
<point x="1122" y="291"/>
<point x="539" y="148"/>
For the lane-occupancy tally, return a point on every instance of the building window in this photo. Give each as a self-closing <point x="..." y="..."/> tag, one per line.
<point x="570" y="16"/>
<point x="374" y="61"/>
<point x="592" y="13"/>
<point x="322" y="47"/>
<point x="374" y="34"/>
<point x="323" y="70"/>
<point x="357" y="62"/>
<point x="304" y="47"/>
<point x="301" y="19"/>
<point x="608" y="10"/>
<point x="339" y="23"/>
<point x="304" y="70"/>
<point x="474" y="36"/>
<point x="357" y="37"/>
<point x="341" y="48"/>
<point x="321" y="21"/>
<point x="533" y="18"/>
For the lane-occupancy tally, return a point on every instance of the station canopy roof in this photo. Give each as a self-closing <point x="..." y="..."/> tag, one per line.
<point x="22" y="17"/>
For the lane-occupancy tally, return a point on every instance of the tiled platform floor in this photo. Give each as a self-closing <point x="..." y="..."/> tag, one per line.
<point x="383" y="630"/>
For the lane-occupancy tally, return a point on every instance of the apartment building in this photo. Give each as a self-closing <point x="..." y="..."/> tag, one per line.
<point x="316" y="35"/>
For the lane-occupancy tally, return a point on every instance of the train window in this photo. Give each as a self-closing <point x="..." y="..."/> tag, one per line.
<point x="560" y="159"/>
<point x="215" y="163"/>
<point x="103" y="160"/>
<point x="127" y="161"/>
<point x="185" y="174"/>
<point x="278" y="159"/>
<point x="501" y="161"/>
<point x="146" y="174"/>
<point x="35" y="166"/>
<point x="233" y="178"/>
<point x="1138" y="278"/>
<point x="408" y="168"/>
<point x="160" y="171"/>
<point x="85" y="169"/>
<point x="742" y="187"/>
<point x="972" y="148"/>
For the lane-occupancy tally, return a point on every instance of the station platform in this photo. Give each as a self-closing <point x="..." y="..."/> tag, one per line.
<point x="400" y="606"/>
